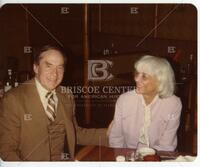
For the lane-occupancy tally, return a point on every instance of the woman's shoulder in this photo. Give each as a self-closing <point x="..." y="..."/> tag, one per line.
<point x="130" y="95"/>
<point x="173" y="100"/>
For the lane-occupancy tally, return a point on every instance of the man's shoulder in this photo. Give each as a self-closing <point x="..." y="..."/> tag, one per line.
<point x="23" y="88"/>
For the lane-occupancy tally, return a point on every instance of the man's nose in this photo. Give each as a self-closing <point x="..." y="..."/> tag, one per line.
<point x="55" y="72"/>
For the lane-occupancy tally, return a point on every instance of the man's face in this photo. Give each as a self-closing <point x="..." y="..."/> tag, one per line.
<point x="145" y="84"/>
<point x="50" y="69"/>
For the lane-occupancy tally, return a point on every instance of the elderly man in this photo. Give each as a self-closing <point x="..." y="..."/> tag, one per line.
<point x="37" y="121"/>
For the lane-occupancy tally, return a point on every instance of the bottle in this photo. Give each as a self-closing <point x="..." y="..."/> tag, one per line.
<point x="16" y="83"/>
<point x="1" y="89"/>
<point x="190" y="65"/>
<point x="9" y="81"/>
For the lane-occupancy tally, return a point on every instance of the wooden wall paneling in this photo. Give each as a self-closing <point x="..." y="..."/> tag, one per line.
<point x="192" y="106"/>
<point x="86" y="51"/>
<point x="180" y="23"/>
<point x="141" y="26"/>
<point x="14" y="37"/>
<point x="59" y="28"/>
<point x="187" y="133"/>
<point x="120" y="19"/>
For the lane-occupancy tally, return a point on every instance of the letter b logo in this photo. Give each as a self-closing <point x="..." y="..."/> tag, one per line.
<point x="98" y="70"/>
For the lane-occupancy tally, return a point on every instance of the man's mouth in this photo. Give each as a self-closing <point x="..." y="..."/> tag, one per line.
<point x="52" y="80"/>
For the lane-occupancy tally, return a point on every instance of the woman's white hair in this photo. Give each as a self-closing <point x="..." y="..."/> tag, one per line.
<point x="162" y="70"/>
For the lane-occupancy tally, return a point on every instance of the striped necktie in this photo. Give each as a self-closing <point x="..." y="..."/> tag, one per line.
<point x="51" y="106"/>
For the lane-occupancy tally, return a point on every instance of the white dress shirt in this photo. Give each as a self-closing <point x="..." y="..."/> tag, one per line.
<point x="144" y="136"/>
<point x="42" y="93"/>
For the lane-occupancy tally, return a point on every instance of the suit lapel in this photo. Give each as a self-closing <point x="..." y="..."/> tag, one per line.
<point x="36" y="107"/>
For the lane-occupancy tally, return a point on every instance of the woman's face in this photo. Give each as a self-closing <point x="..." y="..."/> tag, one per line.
<point x="146" y="84"/>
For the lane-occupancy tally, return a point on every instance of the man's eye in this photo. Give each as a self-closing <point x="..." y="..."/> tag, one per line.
<point x="48" y="65"/>
<point x="60" y="68"/>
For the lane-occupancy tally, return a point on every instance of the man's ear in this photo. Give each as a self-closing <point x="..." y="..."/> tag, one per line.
<point x="35" y="68"/>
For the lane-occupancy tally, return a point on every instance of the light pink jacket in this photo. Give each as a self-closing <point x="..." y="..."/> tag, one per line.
<point x="129" y="118"/>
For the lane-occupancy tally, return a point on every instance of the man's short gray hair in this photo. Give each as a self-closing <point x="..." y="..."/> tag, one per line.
<point x="162" y="70"/>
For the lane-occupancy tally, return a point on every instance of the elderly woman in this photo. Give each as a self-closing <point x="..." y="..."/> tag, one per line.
<point x="149" y="115"/>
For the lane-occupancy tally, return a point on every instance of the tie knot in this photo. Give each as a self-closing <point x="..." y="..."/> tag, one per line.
<point x="49" y="95"/>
